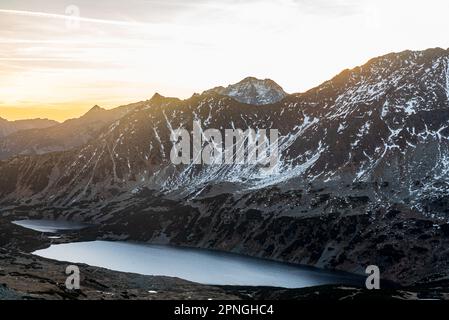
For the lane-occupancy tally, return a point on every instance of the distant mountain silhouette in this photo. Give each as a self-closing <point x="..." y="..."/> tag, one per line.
<point x="61" y="136"/>
<point x="9" y="127"/>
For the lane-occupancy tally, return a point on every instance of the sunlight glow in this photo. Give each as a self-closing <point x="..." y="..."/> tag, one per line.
<point x="124" y="53"/>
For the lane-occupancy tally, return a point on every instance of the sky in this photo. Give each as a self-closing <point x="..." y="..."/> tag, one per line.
<point x="58" y="58"/>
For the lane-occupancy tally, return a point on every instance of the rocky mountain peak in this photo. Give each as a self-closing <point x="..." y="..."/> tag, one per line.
<point x="253" y="91"/>
<point x="95" y="109"/>
<point x="156" y="97"/>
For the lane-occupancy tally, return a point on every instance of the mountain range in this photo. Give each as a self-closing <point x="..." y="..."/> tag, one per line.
<point x="60" y="136"/>
<point x="9" y="127"/>
<point x="362" y="177"/>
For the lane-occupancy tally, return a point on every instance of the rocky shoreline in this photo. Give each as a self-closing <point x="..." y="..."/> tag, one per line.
<point x="24" y="276"/>
<point x="27" y="277"/>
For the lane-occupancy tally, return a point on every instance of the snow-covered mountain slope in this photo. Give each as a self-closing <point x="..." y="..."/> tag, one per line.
<point x="362" y="177"/>
<point x="253" y="91"/>
<point x="384" y="122"/>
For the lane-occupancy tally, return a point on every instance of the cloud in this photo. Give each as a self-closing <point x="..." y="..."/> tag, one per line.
<point x="80" y="18"/>
<point x="329" y="7"/>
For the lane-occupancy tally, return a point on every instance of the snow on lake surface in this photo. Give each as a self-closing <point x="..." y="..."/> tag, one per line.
<point x="197" y="265"/>
<point x="50" y="226"/>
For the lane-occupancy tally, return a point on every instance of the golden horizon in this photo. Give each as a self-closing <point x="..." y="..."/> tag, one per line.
<point x="59" y="112"/>
<point x="58" y="61"/>
<point x="28" y="113"/>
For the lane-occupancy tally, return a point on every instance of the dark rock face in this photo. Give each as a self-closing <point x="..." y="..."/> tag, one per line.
<point x="362" y="178"/>
<point x="253" y="91"/>
<point x="8" y="294"/>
